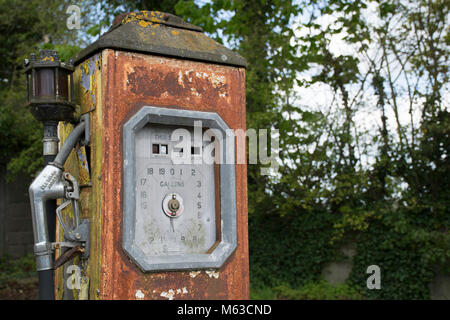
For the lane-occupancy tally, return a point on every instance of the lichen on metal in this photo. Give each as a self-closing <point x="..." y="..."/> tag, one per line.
<point x="85" y="178"/>
<point x="87" y="89"/>
<point x="88" y="77"/>
<point x="162" y="34"/>
<point x="154" y="17"/>
<point x="48" y="59"/>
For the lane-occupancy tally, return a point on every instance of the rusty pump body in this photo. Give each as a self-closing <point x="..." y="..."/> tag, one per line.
<point x="158" y="229"/>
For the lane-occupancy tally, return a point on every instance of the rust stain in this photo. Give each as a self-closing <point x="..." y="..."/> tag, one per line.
<point x="130" y="81"/>
<point x="142" y="81"/>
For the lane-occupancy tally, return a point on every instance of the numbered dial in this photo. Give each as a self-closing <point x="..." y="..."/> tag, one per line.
<point x="175" y="203"/>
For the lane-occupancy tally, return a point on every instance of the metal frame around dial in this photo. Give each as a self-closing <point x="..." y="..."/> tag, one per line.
<point x="228" y="241"/>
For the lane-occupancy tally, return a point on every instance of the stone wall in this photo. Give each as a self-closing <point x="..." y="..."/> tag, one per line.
<point x="16" y="230"/>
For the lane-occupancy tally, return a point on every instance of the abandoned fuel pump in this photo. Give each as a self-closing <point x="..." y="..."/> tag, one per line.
<point x="151" y="91"/>
<point x="50" y="99"/>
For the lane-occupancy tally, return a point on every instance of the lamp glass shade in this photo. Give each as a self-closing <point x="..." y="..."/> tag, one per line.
<point x="45" y="83"/>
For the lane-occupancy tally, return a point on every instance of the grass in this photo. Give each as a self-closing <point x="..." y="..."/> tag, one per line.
<point x="318" y="290"/>
<point x="18" y="278"/>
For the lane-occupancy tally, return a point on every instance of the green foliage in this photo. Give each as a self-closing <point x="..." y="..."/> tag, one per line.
<point x="289" y="249"/>
<point x="264" y="293"/>
<point x="320" y="290"/>
<point x="314" y="290"/>
<point x="26" y="27"/>
<point x="395" y="208"/>
<point x="29" y="160"/>
<point x="20" y="133"/>
<point x="406" y="258"/>
<point x="11" y="268"/>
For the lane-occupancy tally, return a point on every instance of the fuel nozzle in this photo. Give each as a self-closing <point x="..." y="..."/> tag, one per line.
<point x="52" y="183"/>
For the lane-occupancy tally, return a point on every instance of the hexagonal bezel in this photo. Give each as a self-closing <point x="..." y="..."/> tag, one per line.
<point x="228" y="243"/>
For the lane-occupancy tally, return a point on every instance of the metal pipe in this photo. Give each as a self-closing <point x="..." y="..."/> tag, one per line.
<point x="47" y="185"/>
<point x="50" y="150"/>
<point x="69" y="144"/>
<point x="50" y="141"/>
<point x="46" y="284"/>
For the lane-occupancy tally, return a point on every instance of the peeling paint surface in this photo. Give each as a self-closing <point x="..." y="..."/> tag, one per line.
<point x="212" y="274"/>
<point x="139" y="295"/>
<point x="208" y="85"/>
<point x="171" y="293"/>
<point x="88" y="81"/>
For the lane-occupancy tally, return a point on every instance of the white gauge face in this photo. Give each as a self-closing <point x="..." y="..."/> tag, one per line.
<point x="175" y="203"/>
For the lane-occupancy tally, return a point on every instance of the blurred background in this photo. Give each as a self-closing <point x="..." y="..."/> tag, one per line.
<point x="359" y="91"/>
